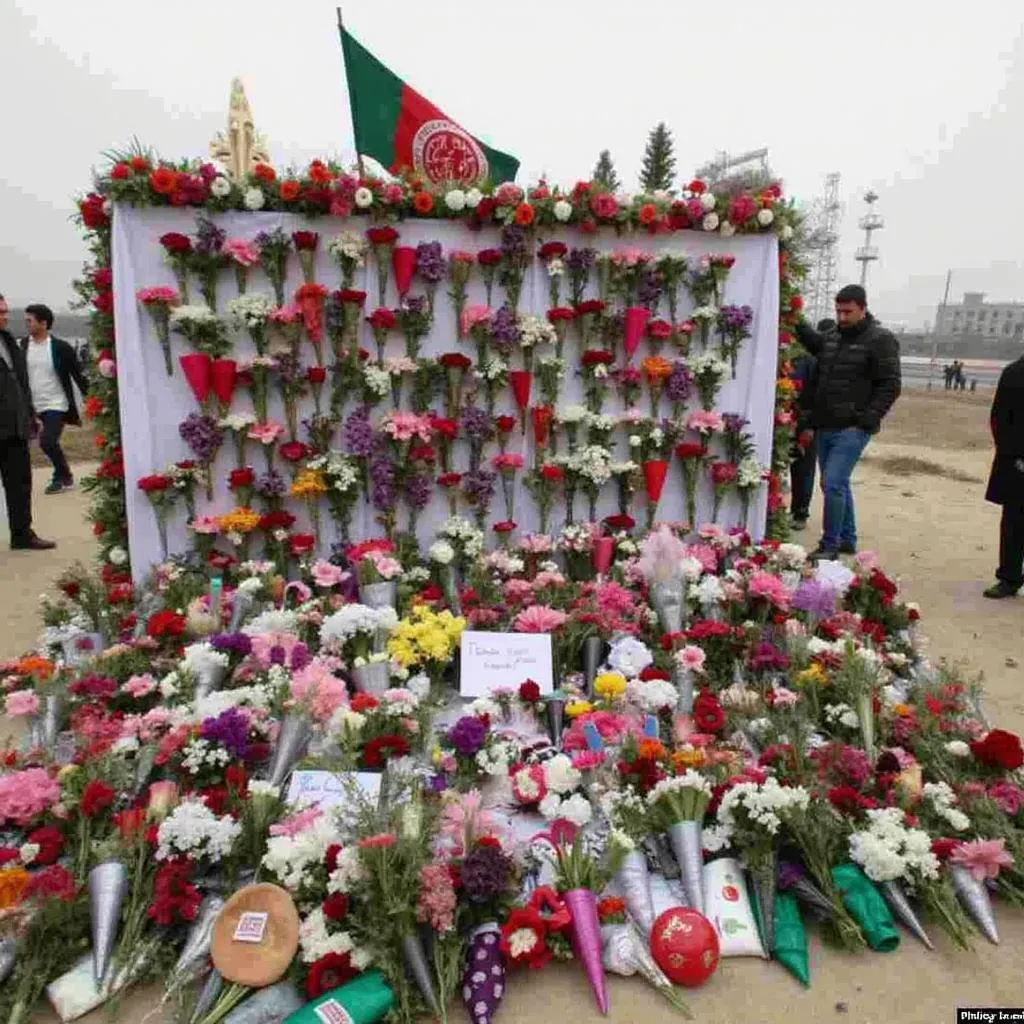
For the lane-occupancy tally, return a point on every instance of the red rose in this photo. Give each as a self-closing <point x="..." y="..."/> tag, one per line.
<point x="335" y="906"/>
<point x="264" y="173"/>
<point x="488" y="257"/>
<point x="529" y="692"/>
<point x="175" y="243"/>
<point x="331" y="857"/>
<point x="999" y="749"/>
<point x="708" y="715"/>
<point x="241" y="478"/>
<point x="154" y="484"/>
<point x="330" y="971"/>
<point x="301" y="544"/>
<point x="382" y="319"/>
<point x="382" y="748"/>
<point x="316" y="374"/>
<point x="294" y="451"/>
<point x="96" y="798"/>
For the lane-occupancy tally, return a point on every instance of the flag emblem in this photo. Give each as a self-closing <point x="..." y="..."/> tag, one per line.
<point x="444" y="153"/>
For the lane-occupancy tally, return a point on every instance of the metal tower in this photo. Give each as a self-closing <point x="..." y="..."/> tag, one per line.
<point x="870" y="223"/>
<point x="823" y="242"/>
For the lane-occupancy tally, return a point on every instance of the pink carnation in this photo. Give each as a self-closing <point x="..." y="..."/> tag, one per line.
<point x="266" y="433"/>
<point x="1008" y="797"/>
<point x="705" y="554"/>
<point x="139" y="686"/>
<point x="326" y="574"/>
<point x="507" y="462"/>
<point x="770" y="588"/>
<point x="158" y="296"/>
<point x="317" y="686"/>
<point x="246" y="254"/>
<point x="539" y="618"/>
<point x="21" y="703"/>
<point x="264" y="644"/>
<point x="471" y="316"/>
<point x="437" y="901"/>
<point x="27" y="794"/>
<point x="691" y="657"/>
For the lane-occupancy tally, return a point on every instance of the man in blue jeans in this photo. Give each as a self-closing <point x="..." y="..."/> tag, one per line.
<point x="858" y="382"/>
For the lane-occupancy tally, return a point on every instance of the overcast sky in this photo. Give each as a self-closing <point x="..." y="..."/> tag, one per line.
<point x="923" y="103"/>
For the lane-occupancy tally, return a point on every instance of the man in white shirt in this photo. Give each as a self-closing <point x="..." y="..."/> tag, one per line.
<point x="52" y="366"/>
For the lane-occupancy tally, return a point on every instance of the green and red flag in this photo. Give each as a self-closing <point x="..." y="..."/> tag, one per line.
<point x="403" y="130"/>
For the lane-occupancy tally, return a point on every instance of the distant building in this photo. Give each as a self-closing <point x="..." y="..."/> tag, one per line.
<point x="976" y="318"/>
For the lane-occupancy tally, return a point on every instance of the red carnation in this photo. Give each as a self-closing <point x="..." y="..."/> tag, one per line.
<point x="53" y="882"/>
<point x="597" y="357"/>
<point x="488" y="257"/>
<point x="96" y="798"/>
<point x="382" y="748"/>
<point x="505" y="424"/>
<point x="363" y="702"/>
<point x="103" y="279"/>
<point x="50" y="843"/>
<point x="335" y="906"/>
<point x="529" y="692"/>
<point x="93" y="211"/>
<point x="154" y="484"/>
<point x="449" y="480"/>
<point x="455" y="361"/>
<point x="165" y="623"/>
<point x="316" y="374"/>
<point x="553" y="474"/>
<point x="164" y="181"/>
<point x="301" y="544"/>
<point x="708" y="715"/>
<point x="999" y="749"/>
<point x="659" y="330"/>
<point x="351" y="295"/>
<point x="279" y="519"/>
<point x="385" y="235"/>
<point x="382" y="319"/>
<point x="307" y="240"/>
<point x="331" y="857"/>
<point x="176" y="244"/>
<point x="294" y="451"/>
<point x="649" y="673"/>
<point x="552" y="251"/>
<point x="690" y="450"/>
<point x="590" y="306"/>
<point x="241" y="478"/>
<point x="620" y="521"/>
<point x="120" y="171"/>
<point x="330" y="971"/>
<point x="505" y="526"/>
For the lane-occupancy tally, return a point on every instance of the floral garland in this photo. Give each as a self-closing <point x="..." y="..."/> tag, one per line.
<point x="324" y="189"/>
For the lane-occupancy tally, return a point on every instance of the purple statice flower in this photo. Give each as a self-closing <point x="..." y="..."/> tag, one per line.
<point x="202" y="435"/>
<point x="334" y="313"/>
<point x="413" y="306"/>
<point x="209" y="237"/>
<point x="359" y="433"/>
<point x="513" y="244"/>
<point x="677" y="387"/>
<point x="734" y="423"/>
<point x="649" y="288"/>
<point x="790" y="874"/>
<point x="468" y="735"/>
<point x="417" y="491"/>
<point x="485" y="874"/>
<point x="232" y="643"/>
<point x="437" y="783"/>
<point x="383" y="493"/>
<point x="288" y="369"/>
<point x="814" y="598"/>
<point x="767" y="657"/>
<point x="230" y="730"/>
<point x="271" y="485"/>
<point x="580" y="260"/>
<point x="430" y="262"/>
<point x="504" y="330"/>
<point x="478" y="489"/>
<point x="736" y="318"/>
<point x="474" y="423"/>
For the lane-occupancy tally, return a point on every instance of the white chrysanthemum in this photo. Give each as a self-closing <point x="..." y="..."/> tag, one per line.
<point x="441" y="552"/>
<point x="562" y="210"/>
<point x="220" y="187"/>
<point x="560" y="776"/>
<point x="630" y="656"/>
<point x="473" y="198"/>
<point x="765" y="217"/>
<point x="653" y="696"/>
<point x="958" y="748"/>
<point x="577" y="809"/>
<point x="716" y="838"/>
<point x="288" y="858"/>
<point x="274" y="620"/>
<point x="363" y="197"/>
<point x="193" y="830"/>
<point x="117" y="555"/>
<point x="348" y="870"/>
<point x="254" y="199"/>
<point x="455" y="200"/>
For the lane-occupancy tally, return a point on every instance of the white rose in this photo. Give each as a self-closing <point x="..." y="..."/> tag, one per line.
<point x="958" y="748"/>
<point x="254" y="199"/>
<point x="563" y="210"/>
<point x="419" y="686"/>
<point x="363" y="197"/>
<point x="220" y="186"/>
<point x="765" y="217"/>
<point x="710" y="221"/>
<point x="455" y="200"/>
<point x="707" y="201"/>
<point x="727" y="229"/>
<point x="117" y="556"/>
<point x="473" y="197"/>
<point x="786" y="233"/>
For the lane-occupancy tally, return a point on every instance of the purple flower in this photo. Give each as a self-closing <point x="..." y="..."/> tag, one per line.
<point x="468" y="735"/>
<point x="232" y="643"/>
<point x="677" y="387"/>
<point x="580" y="261"/>
<point x="202" y="435"/>
<point x="736" y="318"/>
<point x="288" y="369"/>
<point x="475" y="423"/>
<point x="790" y="874"/>
<point x="299" y="657"/>
<point x="648" y="292"/>
<point x="417" y="491"/>
<point x="230" y="730"/>
<point x="271" y="485"/>
<point x="334" y="313"/>
<point x="383" y="493"/>
<point x="485" y="873"/>
<point x="430" y="262"/>
<point x="359" y="433"/>
<point x="815" y="598"/>
<point x="734" y="422"/>
<point x="513" y="244"/>
<point x="209" y="237"/>
<point x="478" y="488"/>
<point x="504" y="330"/>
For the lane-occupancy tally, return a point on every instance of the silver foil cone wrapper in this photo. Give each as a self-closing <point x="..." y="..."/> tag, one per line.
<point x="208" y="680"/>
<point x="195" y="954"/>
<point x="267" y="1006"/>
<point x="8" y="958"/>
<point x="416" y="963"/>
<point x="53" y="713"/>
<point x="554" y="708"/>
<point x="685" y="839"/>
<point x="108" y="884"/>
<point x="975" y="899"/>
<point x="593" y="648"/>
<point x="373" y="678"/>
<point x="625" y="952"/>
<point x="683" y="679"/>
<point x="292" y="740"/>
<point x="207" y="996"/>
<point x="633" y="880"/>
<point x="144" y="762"/>
<point x="901" y="909"/>
<point x="667" y="599"/>
<point x="379" y="595"/>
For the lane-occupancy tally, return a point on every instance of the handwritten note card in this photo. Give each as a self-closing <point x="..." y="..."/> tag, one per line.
<point x="326" y="789"/>
<point x="492" y="661"/>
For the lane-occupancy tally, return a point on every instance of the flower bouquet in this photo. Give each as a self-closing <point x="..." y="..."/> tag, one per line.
<point x="348" y="250"/>
<point x="629" y="817"/>
<point x="208" y="258"/>
<point x="306" y="244"/>
<point x="679" y="804"/>
<point x="707" y="372"/>
<point x="241" y="256"/>
<point x="460" y="270"/>
<point x="159" y="302"/>
<point x="734" y="328"/>
<point x="159" y="491"/>
<point x="661" y="557"/>
<point x="382" y="240"/>
<point x="274" y="247"/>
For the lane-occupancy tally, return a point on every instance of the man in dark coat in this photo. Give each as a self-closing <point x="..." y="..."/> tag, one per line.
<point x="805" y="453"/>
<point x="858" y="381"/>
<point x="17" y="423"/>
<point x="52" y="367"/>
<point x="1006" y="481"/>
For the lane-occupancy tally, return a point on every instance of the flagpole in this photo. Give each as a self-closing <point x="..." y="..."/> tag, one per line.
<point x="351" y="95"/>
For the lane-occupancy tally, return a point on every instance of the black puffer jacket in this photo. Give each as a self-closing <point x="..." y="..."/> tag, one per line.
<point x="15" y="403"/>
<point x="858" y="374"/>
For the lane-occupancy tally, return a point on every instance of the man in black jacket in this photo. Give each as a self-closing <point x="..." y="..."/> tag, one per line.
<point x="858" y="382"/>
<point x="52" y="365"/>
<point x="17" y="422"/>
<point x="1006" y="481"/>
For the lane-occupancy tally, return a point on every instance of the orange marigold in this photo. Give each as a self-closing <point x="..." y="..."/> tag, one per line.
<point x="423" y="202"/>
<point x="657" y="369"/>
<point x="650" y="749"/>
<point x="525" y="214"/>
<point x="13" y="883"/>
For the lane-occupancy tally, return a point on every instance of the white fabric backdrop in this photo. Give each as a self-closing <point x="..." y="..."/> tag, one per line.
<point x="153" y="404"/>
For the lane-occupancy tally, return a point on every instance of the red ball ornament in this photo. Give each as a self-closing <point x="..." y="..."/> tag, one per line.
<point x="685" y="946"/>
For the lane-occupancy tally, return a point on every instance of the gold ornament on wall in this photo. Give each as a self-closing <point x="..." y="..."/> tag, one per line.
<point x="240" y="148"/>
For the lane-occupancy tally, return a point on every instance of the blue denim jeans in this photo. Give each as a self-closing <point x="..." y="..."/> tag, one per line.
<point x="838" y="452"/>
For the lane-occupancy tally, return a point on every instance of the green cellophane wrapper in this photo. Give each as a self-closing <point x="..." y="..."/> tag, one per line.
<point x="791" y="938"/>
<point x="364" y="1000"/>
<point x="866" y="907"/>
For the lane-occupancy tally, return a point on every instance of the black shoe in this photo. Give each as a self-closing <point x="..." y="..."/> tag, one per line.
<point x="820" y="554"/>
<point x="847" y="549"/>
<point x="68" y="484"/>
<point x="32" y="543"/>
<point x="799" y="523"/>
<point x="999" y="591"/>
<point x="54" y="487"/>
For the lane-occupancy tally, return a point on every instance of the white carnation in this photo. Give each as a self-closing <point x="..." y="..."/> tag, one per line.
<point x="254" y="199"/>
<point x="563" y="210"/>
<point x="220" y="186"/>
<point x="455" y="200"/>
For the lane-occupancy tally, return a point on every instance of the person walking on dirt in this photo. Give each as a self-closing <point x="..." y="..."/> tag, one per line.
<point x="858" y="382"/>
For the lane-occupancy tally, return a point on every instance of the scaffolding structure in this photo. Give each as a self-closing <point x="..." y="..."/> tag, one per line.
<point x="869" y="224"/>
<point x="823" y="249"/>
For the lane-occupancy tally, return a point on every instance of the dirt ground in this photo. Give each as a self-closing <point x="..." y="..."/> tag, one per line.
<point x="920" y="505"/>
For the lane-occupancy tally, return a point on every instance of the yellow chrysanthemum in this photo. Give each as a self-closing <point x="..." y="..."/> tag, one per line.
<point x="239" y="520"/>
<point x="578" y="707"/>
<point x="813" y="675"/>
<point x="307" y="483"/>
<point x="610" y="685"/>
